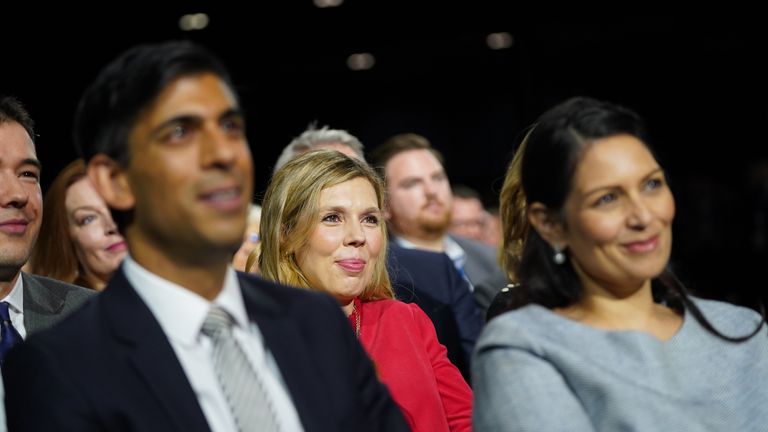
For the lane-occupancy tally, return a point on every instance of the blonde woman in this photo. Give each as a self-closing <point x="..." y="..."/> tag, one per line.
<point x="322" y="228"/>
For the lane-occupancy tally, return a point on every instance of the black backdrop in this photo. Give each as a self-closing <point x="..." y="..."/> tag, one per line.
<point x="700" y="83"/>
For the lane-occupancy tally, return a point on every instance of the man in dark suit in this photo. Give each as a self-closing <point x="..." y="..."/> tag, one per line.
<point x="33" y="302"/>
<point x="163" y="134"/>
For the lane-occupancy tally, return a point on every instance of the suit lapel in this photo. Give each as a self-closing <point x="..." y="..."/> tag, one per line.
<point x="150" y="352"/>
<point x="284" y="340"/>
<point x="41" y="305"/>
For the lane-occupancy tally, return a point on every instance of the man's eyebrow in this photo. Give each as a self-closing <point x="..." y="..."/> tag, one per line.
<point x="34" y="162"/>
<point x="180" y="119"/>
<point x="232" y="112"/>
<point x="194" y="119"/>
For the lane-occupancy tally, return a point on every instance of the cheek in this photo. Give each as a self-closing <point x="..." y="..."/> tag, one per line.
<point x="323" y="243"/>
<point x="666" y="209"/>
<point x="374" y="241"/>
<point x="37" y="199"/>
<point x="597" y="229"/>
<point x="87" y="240"/>
<point x="445" y="191"/>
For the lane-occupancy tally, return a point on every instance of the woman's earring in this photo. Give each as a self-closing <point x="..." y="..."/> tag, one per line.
<point x="559" y="256"/>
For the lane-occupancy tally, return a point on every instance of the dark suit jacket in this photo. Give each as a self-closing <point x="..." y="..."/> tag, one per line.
<point x="431" y="281"/>
<point x="483" y="270"/>
<point x="47" y="301"/>
<point x="110" y="367"/>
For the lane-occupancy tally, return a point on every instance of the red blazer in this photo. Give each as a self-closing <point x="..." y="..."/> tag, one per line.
<point x="410" y="361"/>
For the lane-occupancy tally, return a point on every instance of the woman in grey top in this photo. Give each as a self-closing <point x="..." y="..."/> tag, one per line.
<point x="602" y="337"/>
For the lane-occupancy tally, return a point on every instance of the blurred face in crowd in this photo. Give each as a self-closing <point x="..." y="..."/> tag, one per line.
<point x="619" y="215"/>
<point x="346" y="241"/>
<point x="468" y="218"/>
<point x="99" y="247"/>
<point x="20" y="198"/>
<point x="419" y="195"/>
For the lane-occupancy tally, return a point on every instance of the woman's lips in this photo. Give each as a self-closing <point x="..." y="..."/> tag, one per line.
<point x="352" y="265"/>
<point x="117" y="247"/>
<point x="643" y="246"/>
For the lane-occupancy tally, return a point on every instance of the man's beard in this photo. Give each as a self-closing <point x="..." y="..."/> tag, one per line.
<point x="436" y="225"/>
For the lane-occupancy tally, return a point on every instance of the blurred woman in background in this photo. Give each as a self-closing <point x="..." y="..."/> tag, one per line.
<point x="78" y="241"/>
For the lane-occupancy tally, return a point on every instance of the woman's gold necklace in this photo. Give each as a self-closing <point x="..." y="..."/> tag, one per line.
<point x="357" y="320"/>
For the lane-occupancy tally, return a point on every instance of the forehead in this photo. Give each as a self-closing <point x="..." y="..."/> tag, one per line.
<point x="81" y="193"/>
<point x="358" y="191"/>
<point x="200" y="95"/>
<point x="613" y="159"/>
<point x="467" y="204"/>
<point x="413" y="163"/>
<point x="15" y="144"/>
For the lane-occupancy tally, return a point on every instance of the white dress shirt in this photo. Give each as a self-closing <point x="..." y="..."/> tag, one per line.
<point x="15" y="300"/>
<point x="181" y="314"/>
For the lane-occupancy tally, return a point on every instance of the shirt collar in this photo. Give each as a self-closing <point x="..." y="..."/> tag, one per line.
<point x="452" y="249"/>
<point x="15" y="298"/>
<point x="180" y="311"/>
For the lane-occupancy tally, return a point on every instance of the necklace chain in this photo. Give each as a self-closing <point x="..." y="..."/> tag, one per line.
<point x="357" y="320"/>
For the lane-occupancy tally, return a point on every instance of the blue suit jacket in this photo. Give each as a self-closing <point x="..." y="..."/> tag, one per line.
<point x="431" y="281"/>
<point x="109" y="366"/>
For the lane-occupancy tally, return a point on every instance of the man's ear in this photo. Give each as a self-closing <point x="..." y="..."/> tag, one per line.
<point x="110" y="181"/>
<point x="547" y="224"/>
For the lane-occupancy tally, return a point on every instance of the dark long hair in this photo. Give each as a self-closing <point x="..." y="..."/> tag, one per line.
<point x="54" y="253"/>
<point x="551" y="152"/>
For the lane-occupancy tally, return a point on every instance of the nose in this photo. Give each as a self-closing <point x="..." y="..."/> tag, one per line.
<point x="430" y="187"/>
<point x="640" y="214"/>
<point x="354" y="235"/>
<point x="110" y="227"/>
<point x="219" y="150"/>
<point x="12" y="192"/>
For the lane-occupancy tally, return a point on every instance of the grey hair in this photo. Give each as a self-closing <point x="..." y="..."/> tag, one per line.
<point x="313" y="138"/>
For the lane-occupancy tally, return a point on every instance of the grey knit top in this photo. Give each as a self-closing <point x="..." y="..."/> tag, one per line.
<point x="534" y="370"/>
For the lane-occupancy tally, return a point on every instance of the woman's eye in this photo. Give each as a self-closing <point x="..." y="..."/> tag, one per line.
<point x="606" y="199"/>
<point x="331" y="218"/>
<point x="654" y="183"/>
<point x="87" y="220"/>
<point x="371" y="219"/>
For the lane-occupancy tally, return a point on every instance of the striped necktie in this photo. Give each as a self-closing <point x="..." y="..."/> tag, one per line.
<point x="251" y="405"/>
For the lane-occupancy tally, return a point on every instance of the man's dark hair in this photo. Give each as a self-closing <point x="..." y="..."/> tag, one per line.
<point x="128" y="85"/>
<point x="11" y="110"/>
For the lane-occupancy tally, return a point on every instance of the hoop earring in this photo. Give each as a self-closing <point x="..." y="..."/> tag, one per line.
<point x="559" y="256"/>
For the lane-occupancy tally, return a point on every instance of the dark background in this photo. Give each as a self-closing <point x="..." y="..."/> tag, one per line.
<point x="700" y="83"/>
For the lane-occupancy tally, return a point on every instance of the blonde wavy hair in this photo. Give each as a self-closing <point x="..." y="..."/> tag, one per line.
<point x="512" y="211"/>
<point x="290" y="212"/>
